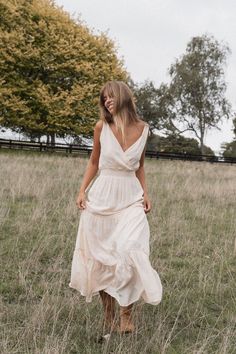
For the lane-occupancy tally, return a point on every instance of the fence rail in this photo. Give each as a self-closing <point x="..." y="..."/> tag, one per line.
<point x="84" y="149"/>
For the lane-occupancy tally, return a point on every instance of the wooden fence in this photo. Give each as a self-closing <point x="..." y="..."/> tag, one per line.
<point x="84" y="149"/>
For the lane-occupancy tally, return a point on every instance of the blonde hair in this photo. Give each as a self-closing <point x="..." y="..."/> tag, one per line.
<point x="124" y="106"/>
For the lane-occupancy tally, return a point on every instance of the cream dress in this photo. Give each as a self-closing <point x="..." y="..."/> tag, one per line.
<point x="112" y="245"/>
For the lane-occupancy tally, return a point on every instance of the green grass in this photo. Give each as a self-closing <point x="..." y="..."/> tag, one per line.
<point x="193" y="230"/>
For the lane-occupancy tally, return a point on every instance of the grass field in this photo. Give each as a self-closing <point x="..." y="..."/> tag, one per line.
<point x="193" y="230"/>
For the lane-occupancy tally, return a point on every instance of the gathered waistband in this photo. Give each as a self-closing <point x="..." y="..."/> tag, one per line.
<point x="118" y="173"/>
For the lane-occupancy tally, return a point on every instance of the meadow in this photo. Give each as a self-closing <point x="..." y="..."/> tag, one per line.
<point x="192" y="247"/>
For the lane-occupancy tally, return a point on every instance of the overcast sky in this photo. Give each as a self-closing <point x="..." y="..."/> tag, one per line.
<point x="150" y="34"/>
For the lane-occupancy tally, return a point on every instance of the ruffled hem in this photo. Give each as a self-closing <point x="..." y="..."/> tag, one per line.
<point x="88" y="298"/>
<point x="130" y="279"/>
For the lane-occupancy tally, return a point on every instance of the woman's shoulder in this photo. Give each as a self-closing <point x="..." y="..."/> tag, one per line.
<point x="99" y="124"/>
<point x="143" y="123"/>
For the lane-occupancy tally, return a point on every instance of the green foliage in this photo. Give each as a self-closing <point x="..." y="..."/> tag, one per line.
<point x="52" y="68"/>
<point x="176" y="144"/>
<point x="229" y="149"/>
<point x="234" y="123"/>
<point x="155" y="105"/>
<point x="207" y="150"/>
<point x="193" y="101"/>
<point x="198" y="87"/>
<point x="151" y="104"/>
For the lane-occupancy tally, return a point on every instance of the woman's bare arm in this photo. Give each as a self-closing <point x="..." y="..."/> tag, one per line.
<point x="140" y="174"/>
<point x="92" y="166"/>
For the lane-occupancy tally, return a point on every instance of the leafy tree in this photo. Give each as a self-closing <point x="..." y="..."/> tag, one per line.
<point x="51" y="70"/>
<point x="176" y="144"/>
<point x="198" y="88"/>
<point x="152" y="104"/>
<point x="207" y="150"/>
<point x="229" y="149"/>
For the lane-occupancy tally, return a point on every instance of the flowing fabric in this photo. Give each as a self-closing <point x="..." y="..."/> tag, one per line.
<point x="112" y="245"/>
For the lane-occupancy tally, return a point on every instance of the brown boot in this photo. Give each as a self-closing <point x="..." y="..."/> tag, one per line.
<point x="109" y="311"/>
<point x="126" y="324"/>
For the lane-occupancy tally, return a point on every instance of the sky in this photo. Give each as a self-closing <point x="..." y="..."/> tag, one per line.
<point x="151" y="34"/>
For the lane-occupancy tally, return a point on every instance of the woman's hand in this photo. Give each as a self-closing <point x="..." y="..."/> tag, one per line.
<point x="81" y="200"/>
<point x="146" y="203"/>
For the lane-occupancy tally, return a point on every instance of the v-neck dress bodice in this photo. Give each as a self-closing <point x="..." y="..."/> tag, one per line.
<point x="112" y="244"/>
<point x="112" y="154"/>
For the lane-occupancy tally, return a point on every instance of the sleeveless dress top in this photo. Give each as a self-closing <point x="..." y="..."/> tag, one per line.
<point x="112" y="245"/>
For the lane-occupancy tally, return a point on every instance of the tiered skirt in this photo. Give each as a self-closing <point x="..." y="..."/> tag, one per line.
<point x="112" y="245"/>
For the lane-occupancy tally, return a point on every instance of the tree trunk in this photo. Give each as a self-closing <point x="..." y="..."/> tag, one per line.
<point x="53" y="139"/>
<point x="48" y="141"/>
<point x="202" y="143"/>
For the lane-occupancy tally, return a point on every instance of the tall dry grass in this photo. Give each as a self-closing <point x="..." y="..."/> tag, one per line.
<point x="193" y="229"/>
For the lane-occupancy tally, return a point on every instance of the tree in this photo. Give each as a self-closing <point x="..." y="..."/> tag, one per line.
<point x="229" y="149"/>
<point x="51" y="70"/>
<point x="198" y="88"/>
<point x="175" y="144"/>
<point x="152" y="104"/>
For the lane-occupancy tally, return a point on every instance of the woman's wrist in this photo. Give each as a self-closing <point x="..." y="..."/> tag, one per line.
<point x="81" y="191"/>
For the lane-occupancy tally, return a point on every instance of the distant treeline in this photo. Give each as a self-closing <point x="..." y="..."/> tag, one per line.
<point x="84" y="149"/>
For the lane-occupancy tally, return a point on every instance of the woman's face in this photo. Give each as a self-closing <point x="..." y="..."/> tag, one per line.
<point x="109" y="103"/>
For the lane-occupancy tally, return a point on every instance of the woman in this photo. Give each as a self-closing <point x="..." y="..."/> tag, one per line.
<point x="111" y="256"/>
